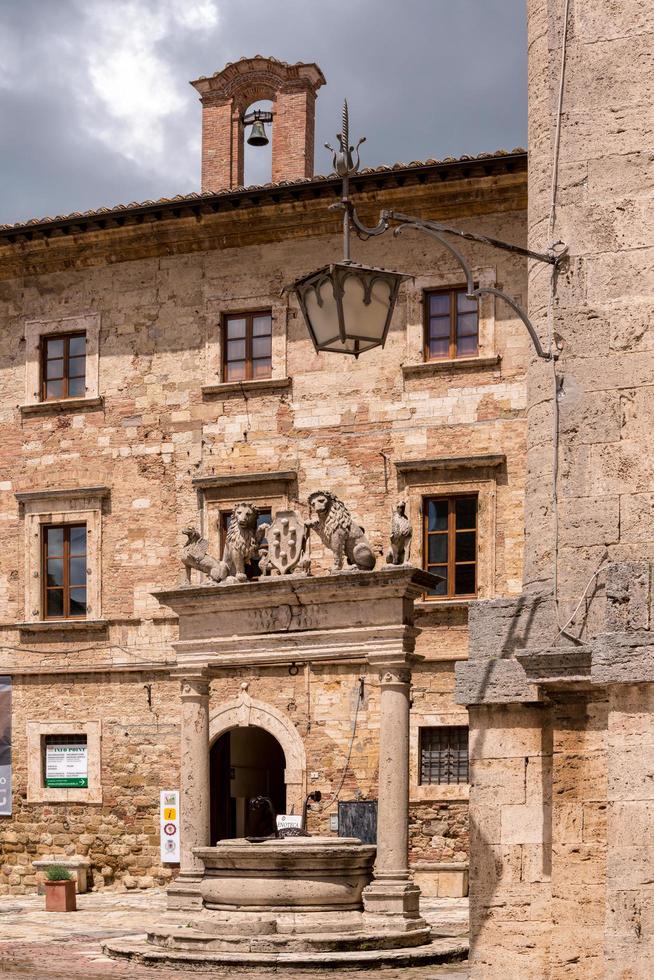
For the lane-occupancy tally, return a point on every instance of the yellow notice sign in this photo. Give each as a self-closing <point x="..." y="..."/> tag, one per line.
<point x="170" y="813"/>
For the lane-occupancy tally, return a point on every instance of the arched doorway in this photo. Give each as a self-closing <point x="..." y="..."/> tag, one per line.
<point x="245" y="762"/>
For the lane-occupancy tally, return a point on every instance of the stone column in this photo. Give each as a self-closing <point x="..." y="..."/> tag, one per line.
<point x="392" y="894"/>
<point x="194" y="788"/>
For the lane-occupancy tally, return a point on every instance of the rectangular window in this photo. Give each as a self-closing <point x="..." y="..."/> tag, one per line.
<point x="66" y="762"/>
<point x="247" y="346"/>
<point x="451" y="324"/>
<point x="443" y="755"/>
<point x="64" y="571"/>
<point x="63" y="366"/>
<point x="265" y="517"/>
<point x="449" y="546"/>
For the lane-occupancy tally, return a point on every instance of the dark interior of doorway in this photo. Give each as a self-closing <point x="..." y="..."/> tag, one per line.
<point x="245" y="762"/>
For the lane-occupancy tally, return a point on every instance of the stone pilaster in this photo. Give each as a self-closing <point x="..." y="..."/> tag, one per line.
<point x="194" y="788"/>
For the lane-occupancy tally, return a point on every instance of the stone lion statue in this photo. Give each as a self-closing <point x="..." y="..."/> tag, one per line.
<point x="333" y="523"/>
<point x="243" y="540"/>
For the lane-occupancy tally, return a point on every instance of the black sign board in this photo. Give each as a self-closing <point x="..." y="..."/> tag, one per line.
<point x="5" y="746"/>
<point x="358" y="818"/>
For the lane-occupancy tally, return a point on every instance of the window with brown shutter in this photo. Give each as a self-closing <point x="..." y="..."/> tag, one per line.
<point x="247" y="346"/>
<point x="449" y="546"/>
<point x="444" y="755"/>
<point x="64" y="571"/>
<point x="63" y="366"/>
<point x="451" y="324"/>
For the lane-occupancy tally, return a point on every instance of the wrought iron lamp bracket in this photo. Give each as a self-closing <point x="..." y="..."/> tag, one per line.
<point x="346" y="163"/>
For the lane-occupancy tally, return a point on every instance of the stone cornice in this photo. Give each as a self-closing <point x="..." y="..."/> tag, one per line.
<point x="73" y="493"/>
<point x="484" y="461"/>
<point x="237" y="479"/>
<point x="448" y="190"/>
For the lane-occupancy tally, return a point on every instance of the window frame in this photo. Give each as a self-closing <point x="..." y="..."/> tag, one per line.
<point x="248" y="316"/>
<point x="65" y="378"/>
<point x="65" y="557"/>
<point x="455" y="766"/>
<point x="451" y="532"/>
<point x="452" y="355"/>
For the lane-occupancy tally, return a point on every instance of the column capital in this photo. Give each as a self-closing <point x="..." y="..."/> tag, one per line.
<point x="193" y="684"/>
<point x="392" y="675"/>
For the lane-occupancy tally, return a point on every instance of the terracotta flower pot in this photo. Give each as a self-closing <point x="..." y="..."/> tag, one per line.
<point x="60" y="896"/>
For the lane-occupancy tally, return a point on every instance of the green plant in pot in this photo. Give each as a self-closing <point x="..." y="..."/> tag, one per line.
<point x="59" y="889"/>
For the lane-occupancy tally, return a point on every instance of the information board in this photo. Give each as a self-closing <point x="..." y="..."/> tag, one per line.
<point x="169" y="826"/>
<point x="66" y="766"/>
<point x="5" y="746"/>
<point x="358" y="818"/>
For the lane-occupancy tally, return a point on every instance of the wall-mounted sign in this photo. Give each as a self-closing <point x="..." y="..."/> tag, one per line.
<point x="169" y="825"/>
<point x="5" y="746"/>
<point x="66" y="766"/>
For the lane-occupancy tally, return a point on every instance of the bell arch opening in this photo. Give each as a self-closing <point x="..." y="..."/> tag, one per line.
<point x="244" y="763"/>
<point x="257" y="157"/>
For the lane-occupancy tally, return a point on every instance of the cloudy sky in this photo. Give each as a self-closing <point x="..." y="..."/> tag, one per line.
<point x="96" y="109"/>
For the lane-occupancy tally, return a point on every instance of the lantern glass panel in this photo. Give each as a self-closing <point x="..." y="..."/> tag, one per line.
<point x="323" y="318"/>
<point x="365" y="319"/>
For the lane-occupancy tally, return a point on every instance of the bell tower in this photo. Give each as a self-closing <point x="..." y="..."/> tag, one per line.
<point x="225" y="98"/>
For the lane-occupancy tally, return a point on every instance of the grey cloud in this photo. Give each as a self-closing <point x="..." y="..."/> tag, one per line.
<point x="424" y="78"/>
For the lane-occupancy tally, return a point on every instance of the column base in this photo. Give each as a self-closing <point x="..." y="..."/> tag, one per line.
<point x="184" y="892"/>
<point x="395" y="902"/>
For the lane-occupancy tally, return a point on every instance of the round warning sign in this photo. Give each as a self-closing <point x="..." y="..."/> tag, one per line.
<point x="170" y="829"/>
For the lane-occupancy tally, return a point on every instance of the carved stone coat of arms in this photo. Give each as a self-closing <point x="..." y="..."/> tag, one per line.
<point x="288" y="546"/>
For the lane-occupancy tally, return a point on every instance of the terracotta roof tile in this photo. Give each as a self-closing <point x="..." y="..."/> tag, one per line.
<point x="195" y="196"/>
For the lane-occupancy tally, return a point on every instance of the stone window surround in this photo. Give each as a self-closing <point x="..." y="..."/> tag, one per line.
<point x="215" y="383"/>
<point x="73" y="506"/>
<point x="415" y="363"/>
<point x="220" y="493"/>
<point x="37" y="791"/>
<point x="88" y="323"/>
<point x="433" y="792"/>
<point x="447" y="477"/>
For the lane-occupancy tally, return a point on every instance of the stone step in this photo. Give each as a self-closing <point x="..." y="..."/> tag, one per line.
<point x="194" y="939"/>
<point x="437" y="951"/>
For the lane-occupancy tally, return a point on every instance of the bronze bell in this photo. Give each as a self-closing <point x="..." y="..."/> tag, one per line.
<point x="257" y="135"/>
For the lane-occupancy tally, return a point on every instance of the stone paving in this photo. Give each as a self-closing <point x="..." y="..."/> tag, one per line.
<point x="47" y="945"/>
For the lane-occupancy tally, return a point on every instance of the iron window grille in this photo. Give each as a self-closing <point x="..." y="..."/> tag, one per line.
<point x="451" y="324"/>
<point x="444" y="755"/>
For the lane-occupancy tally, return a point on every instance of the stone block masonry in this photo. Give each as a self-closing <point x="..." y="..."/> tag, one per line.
<point x="163" y="422"/>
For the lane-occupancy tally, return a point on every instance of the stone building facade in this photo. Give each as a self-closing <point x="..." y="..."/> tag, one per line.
<point x="162" y="438"/>
<point x="560" y="681"/>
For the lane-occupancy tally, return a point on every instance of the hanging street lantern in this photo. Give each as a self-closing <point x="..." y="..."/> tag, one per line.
<point x="348" y="307"/>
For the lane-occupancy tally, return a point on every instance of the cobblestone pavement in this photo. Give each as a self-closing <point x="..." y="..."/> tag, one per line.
<point x="68" y="946"/>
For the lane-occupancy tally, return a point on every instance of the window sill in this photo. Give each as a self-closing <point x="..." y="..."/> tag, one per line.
<point x="62" y="405"/>
<point x="427" y="605"/>
<point x="245" y="387"/>
<point x="62" y="625"/>
<point x="440" y="793"/>
<point x="450" y="364"/>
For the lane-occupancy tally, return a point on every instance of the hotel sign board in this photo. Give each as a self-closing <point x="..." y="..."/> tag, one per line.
<point x="66" y="766"/>
<point x="5" y="746"/>
<point x="169" y="826"/>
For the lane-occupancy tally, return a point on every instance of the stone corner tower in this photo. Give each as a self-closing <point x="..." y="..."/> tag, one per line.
<point x="226" y="96"/>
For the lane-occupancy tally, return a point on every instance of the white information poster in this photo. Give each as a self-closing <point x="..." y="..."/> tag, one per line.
<point x="169" y="825"/>
<point x="66" y="765"/>
<point x="286" y="821"/>
<point x="5" y="746"/>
